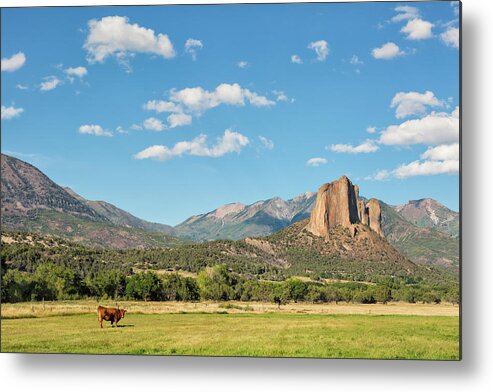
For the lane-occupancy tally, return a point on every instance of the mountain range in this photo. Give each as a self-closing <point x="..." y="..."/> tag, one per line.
<point x="423" y="230"/>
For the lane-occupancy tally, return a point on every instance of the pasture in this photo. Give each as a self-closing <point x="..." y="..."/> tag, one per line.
<point x="297" y="330"/>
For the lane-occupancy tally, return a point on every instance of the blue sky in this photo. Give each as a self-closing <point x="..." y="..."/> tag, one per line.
<point x="172" y="111"/>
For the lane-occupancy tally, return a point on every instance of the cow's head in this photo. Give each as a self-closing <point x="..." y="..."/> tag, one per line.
<point x="122" y="312"/>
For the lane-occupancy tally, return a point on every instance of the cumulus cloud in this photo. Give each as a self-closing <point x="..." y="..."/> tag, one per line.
<point x="50" y="83"/>
<point x="380" y="175"/>
<point x="444" y="152"/>
<point x="162" y="106"/>
<point x="77" y="71"/>
<point x="443" y="159"/>
<point x="242" y="64"/>
<point x="412" y="103"/>
<point x="198" y="100"/>
<point x="371" y="129"/>
<point x="179" y="120"/>
<point x="317" y="161"/>
<point x="295" y="59"/>
<point x="435" y="128"/>
<point x="321" y="48"/>
<point x="154" y="124"/>
<point x="267" y="143"/>
<point x="230" y="142"/>
<point x="189" y="102"/>
<point x="427" y="168"/>
<point x="404" y="13"/>
<point x="11" y="112"/>
<point x="387" y="51"/>
<point x="363" y="148"/>
<point x="191" y="47"/>
<point x="13" y="63"/>
<point x="418" y="29"/>
<point x="115" y="36"/>
<point x="451" y="37"/>
<point x="95" y="130"/>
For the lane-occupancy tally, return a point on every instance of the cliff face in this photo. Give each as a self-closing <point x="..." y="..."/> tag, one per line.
<point x="375" y="216"/>
<point x="338" y="204"/>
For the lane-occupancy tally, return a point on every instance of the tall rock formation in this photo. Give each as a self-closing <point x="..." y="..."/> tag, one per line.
<point x="375" y="216"/>
<point x="338" y="204"/>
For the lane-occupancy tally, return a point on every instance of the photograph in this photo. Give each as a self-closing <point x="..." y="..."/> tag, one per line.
<point x="232" y="180"/>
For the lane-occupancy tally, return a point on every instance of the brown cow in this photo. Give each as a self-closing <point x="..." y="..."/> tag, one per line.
<point x="110" y="314"/>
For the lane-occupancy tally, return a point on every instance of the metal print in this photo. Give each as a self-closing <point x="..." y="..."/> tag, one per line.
<point x="266" y="180"/>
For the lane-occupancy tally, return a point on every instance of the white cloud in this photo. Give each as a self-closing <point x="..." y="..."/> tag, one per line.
<point x="242" y="64"/>
<point x="95" y="130"/>
<point x="316" y="161"/>
<point x="435" y="128"/>
<point x="198" y="100"/>
<point x="179" y="119"/>
<point x="417" y="29"/>
<point x="426" y="168"/>
<point x="136" y="127"/>
<point x="121" y="130"/>
<point x="451" y="37"/>
<point x="280" y="95"/>
<point x="355" y="60"/>
<point x="50" y="83"/>
<point x="77" y="71"/>
<point x="295" y="59"/>
<point x="154" y="124"/>
<point x="191" y="47"/>
<point x="267" y="143"/>
<point x="13" y="63"/>
<point x="404" y="13"/>
<point x="115" y="36"/>
<point x="371" y="129"/>
<point x="387" y="51"/>
<point x="22" y="87"/>
<point x="443" y="159"/>
<point x="380" y="175"/>
<point x="162" y="106"/>
<point x="444" y="152"/>
<point x="230" y="142"/>
<point x="363" y="148"/>
<point x="412" y="103"/>
<point x="321" y="48"/>
<point x="11" y="112"/>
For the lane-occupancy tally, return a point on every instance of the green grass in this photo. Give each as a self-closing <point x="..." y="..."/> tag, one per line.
<point x="267" y="335"/>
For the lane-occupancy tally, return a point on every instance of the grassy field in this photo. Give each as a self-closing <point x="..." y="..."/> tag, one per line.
<point x="236" y="331"/>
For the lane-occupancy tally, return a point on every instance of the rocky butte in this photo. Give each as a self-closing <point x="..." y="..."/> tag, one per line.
<point x="338" y="204"/>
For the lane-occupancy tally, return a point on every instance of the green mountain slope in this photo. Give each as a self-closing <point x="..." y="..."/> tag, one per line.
<point x="32" y="202"/>
<point x="432" y="214"/>
<point x="120" y="217"/>
<point x="422" y="245"/>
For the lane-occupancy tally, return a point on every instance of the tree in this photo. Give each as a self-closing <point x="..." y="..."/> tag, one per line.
<point x="17" y="286"/>
<point x="316" y="294"/>
<point x="145" y="285"/>
<point x="216" y="283"/>
<point x="295" y="289"/>
<point x="108" y="283"/>
<point x="383" y="294"/>
<point x="54" y="281"/>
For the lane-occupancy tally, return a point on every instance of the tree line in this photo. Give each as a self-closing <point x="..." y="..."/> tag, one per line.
<point x="51" y="281"/>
